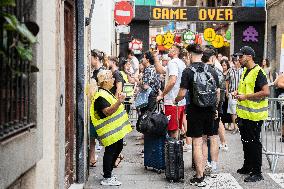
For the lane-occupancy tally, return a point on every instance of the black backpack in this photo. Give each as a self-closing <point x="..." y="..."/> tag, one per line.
<point x="204" y="87"/>
<point x="222" y="84"/>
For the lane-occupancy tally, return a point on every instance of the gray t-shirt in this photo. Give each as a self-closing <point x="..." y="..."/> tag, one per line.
<point x="175" y="67"/>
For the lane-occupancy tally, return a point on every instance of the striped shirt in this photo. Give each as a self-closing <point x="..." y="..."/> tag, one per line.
<point x="234" y="77"/>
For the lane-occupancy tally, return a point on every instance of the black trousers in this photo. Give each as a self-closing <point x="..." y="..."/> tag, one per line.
<point x="252" y="147"/>
<point x="111" y="154"/>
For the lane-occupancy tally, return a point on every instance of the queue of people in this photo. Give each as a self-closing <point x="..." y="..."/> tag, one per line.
<point x="235" y="102"/>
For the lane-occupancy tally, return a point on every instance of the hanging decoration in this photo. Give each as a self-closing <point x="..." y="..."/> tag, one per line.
<point x="165" y="41"/>
<point x="189" y="37"/>
<point x="178" y="39"/>
<point x="198" y="39"/>
<point x="228" y="34"/>
<point x="159" y="39"/>
<point x="168" y="40"/>
<point x="136" y="46"/>
<point x="209" y="34"/>
<point x="218" y="41"/>
<point x="226" y="44"/>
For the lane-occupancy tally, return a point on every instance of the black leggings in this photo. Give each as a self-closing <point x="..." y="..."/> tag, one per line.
<point x="111" y="154"/>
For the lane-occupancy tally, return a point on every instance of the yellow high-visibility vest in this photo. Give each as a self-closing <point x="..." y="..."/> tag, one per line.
<point x="128" y="88"/>
<point x="114" y="127"/>
<point x="254" y="110"/>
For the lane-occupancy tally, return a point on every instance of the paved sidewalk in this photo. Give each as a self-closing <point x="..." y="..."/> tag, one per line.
<point x="132" y="174"/>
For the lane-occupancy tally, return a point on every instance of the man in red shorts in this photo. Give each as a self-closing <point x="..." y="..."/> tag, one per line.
<point x="173" y="73"/>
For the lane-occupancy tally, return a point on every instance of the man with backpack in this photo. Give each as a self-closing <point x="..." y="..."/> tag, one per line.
<point x="201" y="81"/>
<point x="208" y="58"/>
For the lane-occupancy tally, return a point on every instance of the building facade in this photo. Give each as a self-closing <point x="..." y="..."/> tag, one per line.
<point x="44" y="127"/>
<point x="275" y="29"/>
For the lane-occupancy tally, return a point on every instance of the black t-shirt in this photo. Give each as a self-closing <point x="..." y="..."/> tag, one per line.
<point x="117" y="78"/>
<point x="187" y="83"/>
<point x="100" y="104"/>
<point x="95" y="73"/>
<point x="260" y="81"/>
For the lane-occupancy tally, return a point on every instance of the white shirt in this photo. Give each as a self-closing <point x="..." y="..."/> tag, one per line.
<point x="175" y="67"/>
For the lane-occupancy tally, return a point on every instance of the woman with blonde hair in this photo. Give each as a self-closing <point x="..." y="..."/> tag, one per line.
<point x="111" y="123"/>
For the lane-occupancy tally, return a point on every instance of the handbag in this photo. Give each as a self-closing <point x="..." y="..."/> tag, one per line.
<point x="153" y="123"/>
<point x="141" y="100"/>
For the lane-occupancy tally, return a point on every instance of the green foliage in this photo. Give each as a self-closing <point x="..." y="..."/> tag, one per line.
<point x="7" y="3"/>
<point x="23" y="39"/>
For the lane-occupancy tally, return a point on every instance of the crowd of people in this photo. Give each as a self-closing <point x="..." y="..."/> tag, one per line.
<point x="237" y="105"/>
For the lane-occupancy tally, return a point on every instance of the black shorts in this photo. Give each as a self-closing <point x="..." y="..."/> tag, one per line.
<point x="199" y="124"/>
<point x="215" y="126"/>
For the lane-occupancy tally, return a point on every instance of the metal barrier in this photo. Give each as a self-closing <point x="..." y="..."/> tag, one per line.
<point x="271" y="132"/>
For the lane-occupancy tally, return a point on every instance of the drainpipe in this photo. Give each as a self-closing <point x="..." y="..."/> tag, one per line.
<point x="266" y="30"/>
<point x="80" y="155"/>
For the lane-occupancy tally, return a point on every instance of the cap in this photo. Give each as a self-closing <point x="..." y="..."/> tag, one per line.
<point x="246" y="50"/>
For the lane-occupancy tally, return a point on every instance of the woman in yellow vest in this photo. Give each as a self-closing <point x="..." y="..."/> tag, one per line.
<point x="252" y="109"/>
<point x="129" y="81"/>
<point x="111" y="123"/>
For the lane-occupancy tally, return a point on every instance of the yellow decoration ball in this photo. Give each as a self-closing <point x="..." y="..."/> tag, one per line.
<point x="159" y="39"/>
<point x="209" y="34"/>
<point x="218" y="41"/>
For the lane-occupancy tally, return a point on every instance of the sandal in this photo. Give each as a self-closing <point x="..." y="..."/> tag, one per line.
<point x="118" y="160"/>
<point x="93" y="164"/>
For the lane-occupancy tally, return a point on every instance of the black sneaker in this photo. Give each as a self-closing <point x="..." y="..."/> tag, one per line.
<point x="243" y="171"/>
<point x="197" y="181"/>
<point x="254" y="178"/>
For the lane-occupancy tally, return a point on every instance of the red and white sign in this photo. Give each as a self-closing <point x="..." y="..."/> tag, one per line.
<point x="123" y="13"/>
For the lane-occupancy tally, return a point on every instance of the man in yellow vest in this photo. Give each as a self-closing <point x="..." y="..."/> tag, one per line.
<point x="111" y="123"/>
<point x="252" y="109"/>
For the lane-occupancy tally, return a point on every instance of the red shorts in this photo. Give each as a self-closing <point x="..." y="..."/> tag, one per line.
<point x="171" y="113"/>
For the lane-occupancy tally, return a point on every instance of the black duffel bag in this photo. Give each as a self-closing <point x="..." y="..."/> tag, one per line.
<point x="153" y="123"/>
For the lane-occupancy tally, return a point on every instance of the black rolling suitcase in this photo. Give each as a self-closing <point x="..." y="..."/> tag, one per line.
<point x="174" y="158"/>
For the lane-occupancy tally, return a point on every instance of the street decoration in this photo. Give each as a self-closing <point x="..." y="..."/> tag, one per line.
<point x="198" y="39"/>
<point x="168" y="40"/>
<point x="228" y="34"/>
<point x="209" y="34"/>
<point x="178" y="39"/>
<point x="227" y="44"/>
<point x="136" y="46"/>
<point x="159" y="39"/>
<point x="250" y="34"/>
<point x="189" y="37"/>
<point x="218" y="41"/>
<point x="165" y="41"/>
<point x="123" y="12"/>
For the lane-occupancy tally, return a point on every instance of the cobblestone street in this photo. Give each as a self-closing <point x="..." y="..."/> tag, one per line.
<point x="132" y="174"/>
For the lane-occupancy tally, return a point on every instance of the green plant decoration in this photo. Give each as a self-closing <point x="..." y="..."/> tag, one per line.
<point x="23" y="37"/>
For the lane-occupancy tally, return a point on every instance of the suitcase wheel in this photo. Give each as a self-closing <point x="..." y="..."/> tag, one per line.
<point x="146" y="167"/>
<point x="159" y="171"/>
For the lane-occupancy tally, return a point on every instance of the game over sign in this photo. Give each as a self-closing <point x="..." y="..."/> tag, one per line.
<point x="200" y="14"/>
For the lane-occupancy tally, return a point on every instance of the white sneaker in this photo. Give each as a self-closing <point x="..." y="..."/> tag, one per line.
<point x="187" y="148"/>
<point x="98" y="148"/>
<point x="112" y="175"/>
<point x="110" y="182"/>
<point x="224" y="147"/>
